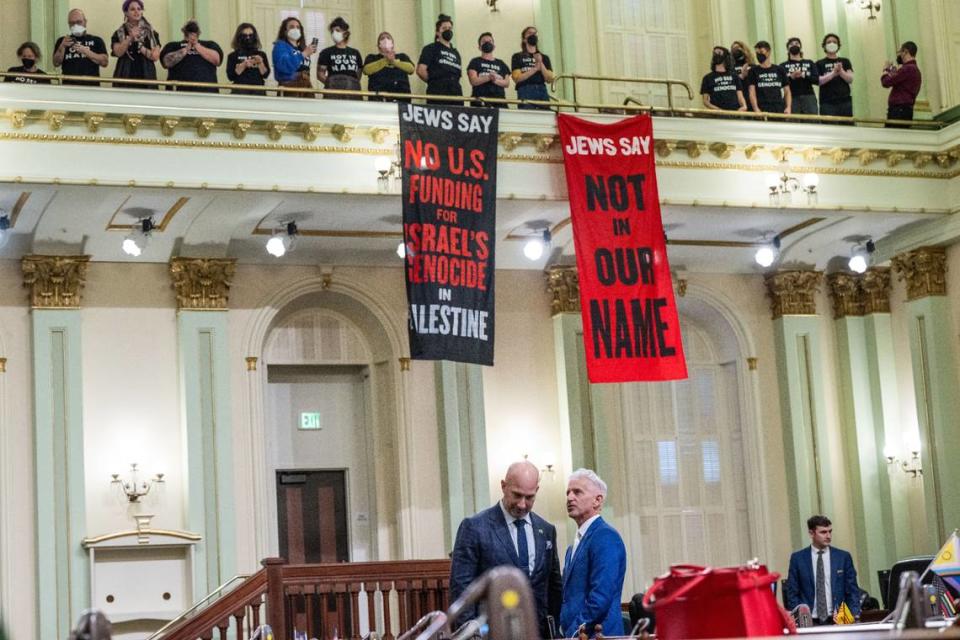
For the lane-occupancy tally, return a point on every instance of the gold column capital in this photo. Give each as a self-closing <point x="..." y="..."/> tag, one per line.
<point x="875" y="285"/>
<point x="793" y="292"/>
<point x="54" y="281"/>
<point x="251" y="363"/>
<point x="202" y="284"/>
<point x="924" y="270"/>
<point x="3" y="365"/>
<point x="564" y="287"/>
<point x="846" y="294"/>
<point x="404" y="364"/>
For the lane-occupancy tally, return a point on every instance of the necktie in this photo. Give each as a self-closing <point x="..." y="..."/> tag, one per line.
<point x="523" y="552"/>
<point x="821" y="588"/>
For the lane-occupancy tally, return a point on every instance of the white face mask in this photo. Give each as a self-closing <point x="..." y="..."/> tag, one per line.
<point x="77" y="30"/>
<point x="831" y="47"/>
<point x="386" y="45"/>
<point x="293" y="34"/>
<point x="337" y="36"/>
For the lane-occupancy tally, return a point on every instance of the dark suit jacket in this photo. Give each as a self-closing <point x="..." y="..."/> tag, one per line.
<point x="483" y="542"/>
<point x="800" y="587"/>
<point x="593" y="582"/>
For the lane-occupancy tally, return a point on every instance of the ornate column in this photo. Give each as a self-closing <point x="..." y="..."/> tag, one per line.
<point x="935" y="381"/>
<point x="63" y="574"/>
<point x="202" y="286"/>
<point x="867" y="389"/>
<point x="797" y="331"/>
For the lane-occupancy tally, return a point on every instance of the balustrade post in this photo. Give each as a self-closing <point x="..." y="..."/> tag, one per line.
<point x="276" y="610"/>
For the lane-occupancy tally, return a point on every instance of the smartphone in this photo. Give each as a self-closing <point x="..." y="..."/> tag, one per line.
<point x="315" y="42"/>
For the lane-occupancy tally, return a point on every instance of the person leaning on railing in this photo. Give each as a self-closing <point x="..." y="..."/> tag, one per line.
<point x="769" y="86"/>
<point x="136" y="45"/>
<point x="340" y="66"/>
<point x="531" y="70"/>
<point x="721" y="89"/>
<point x="192" y="59"/>
<point x="489" y="76"/>
<point x="803" y="76"/>
<point x="247" y="63"/>
<point x="80" y="53"/>
<point x="836" y="76"/>
<point x="388" y="70"/>
<point x="291" y="58"/>
<point x="439" y="64"/>
<point x="30" y="73"/>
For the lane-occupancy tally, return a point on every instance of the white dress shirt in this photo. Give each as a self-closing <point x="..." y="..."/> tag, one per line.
<point x="582" y="531"/>
<point x="528" y="529"/>
<point x="826" y="580"/>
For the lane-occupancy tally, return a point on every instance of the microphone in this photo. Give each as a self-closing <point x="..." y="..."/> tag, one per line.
<point x="469" y="629"/>
<point x="422" y="623"/>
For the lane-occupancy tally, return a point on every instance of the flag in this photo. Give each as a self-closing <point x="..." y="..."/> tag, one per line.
<point x="843" y="615"/>
<point x="947" y="563"/>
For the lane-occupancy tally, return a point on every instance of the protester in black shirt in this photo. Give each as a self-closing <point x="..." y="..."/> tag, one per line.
<point x="721" y="88"/>
<point x="742" y="59"/>
<point x="136" y="45"/>
<point x="488" y="75"/>
<point x="766" y="81"/>
<point x="247" y="64"/>
<point x="29" y="54"/>
<point x="803" y="77"/>
<point x="340" y="66"/>
<point x="192" y="59"/>
<point x="388" y="70"/>
<point x="80" y="54"/>
<point x="439" y="64"/>
<point x="531" y="70"/>
<point x="836" y="76"/>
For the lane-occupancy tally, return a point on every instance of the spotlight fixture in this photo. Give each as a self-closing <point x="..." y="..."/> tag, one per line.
<point x="873" y="6"/>
<point x="782" y="186"/>
<point x="534" y="247"/>
<point x="136" y="242"/>
<point x="860" y="256"/>
<point x="402" y="251"/>
<point x="767" y="254"/>
<point x="282" y="240"/>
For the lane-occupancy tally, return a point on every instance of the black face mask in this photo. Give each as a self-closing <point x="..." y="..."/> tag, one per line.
<point x="447" y="35"/>
<point x="718" y="58"/>
<point x="532" y="40"/>
<point x="27" y="63"/>
<point x="248" y="42"/>
<point x="899" y="59"/>
<point x="794" y="50"/>
<point x="739" y="56"/>
<point x="487" y="47"/>
<point x="761" y="58"/>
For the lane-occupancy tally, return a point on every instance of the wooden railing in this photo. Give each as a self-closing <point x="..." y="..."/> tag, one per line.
<point x="348" y="600"/>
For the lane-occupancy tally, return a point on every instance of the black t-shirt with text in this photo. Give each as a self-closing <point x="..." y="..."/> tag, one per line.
<point x="77" y="64"/>
<point x="837" y="89"/>
<point x="341" y="62"/>
<point x="768" y="83"/>
<point x="802" y="86"/>
<point x="443" y="64"/>
<point x="390" y="78"/>
<point x="524" y="61"/>
<point x="722" y="89"/>
<point x="193" y="67"/>
<point x="36" y="77"/>
<point x="489" y="89"/>
<point x="250" y="75"/>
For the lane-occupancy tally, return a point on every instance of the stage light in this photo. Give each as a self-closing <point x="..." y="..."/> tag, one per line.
<point x="136" y="242"/>
<point x="534" y="247"/>
<point x="860" y="257"/>
<point x="401" y="251"/>
<point x="768" y="253"/>
<point x="282" y="240"/>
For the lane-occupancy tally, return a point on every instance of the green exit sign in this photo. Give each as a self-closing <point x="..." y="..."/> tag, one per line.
<point x="310" y="420"/>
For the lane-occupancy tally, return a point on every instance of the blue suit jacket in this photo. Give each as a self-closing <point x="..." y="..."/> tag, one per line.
<point x="800" y="587"/>
<point x="483" y="542"/>
<point x="593" y="582"/>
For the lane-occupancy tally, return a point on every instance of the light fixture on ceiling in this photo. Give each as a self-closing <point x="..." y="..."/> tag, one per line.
<point x="136" y="242"/>
<point x="282" y="240"/>
<point x="493" y="5"/>
<point x="387" y="169"/>
<point x="782" y="186"/>
<point x="768" y="253"/>
<point x="860" y="256"/>
<point x="873" y="6"/>
<point x="534" y="247"/>
<point x="4" y="228"/>
<point x="133" y="489"/>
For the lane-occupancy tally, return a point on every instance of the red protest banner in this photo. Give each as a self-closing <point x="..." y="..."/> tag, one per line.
<point x="630" y="327"/>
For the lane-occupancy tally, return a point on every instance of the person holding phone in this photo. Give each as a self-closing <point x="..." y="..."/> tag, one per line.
<point x="80" y="53"/>
<point x="192" y="59"/>
<point x="136" y="45"/>
<point x="291" y="58"/>
<point x="340" y="66"/>
<point x="247" y="64"/>
<point x="904" y="80"/>
<point x="388" y="70"/>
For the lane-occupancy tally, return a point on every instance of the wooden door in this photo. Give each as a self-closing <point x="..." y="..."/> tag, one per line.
<point x="312" y="514"/>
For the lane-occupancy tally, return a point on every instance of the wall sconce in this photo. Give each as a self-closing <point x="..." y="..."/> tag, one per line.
<point x="782" y="187"/>
<point x="134" y="489"/>
<point x="912" y="467"/>
<point x="387" y="169"/>
<point x="873" y="6"/>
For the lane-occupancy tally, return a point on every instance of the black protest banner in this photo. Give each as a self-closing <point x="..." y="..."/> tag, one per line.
<point x="449" y="157"/>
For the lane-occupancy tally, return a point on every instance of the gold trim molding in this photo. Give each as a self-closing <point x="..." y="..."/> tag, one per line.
<point x="251" y="363"/>
<point x="564" y="287"/>
<point x="183" y="535"/>
<point x="875" y="285"/>
<point x="404" y="364"/>
<point x="924" y="270"/>
<point x="3" y="365"/>
<point x="793" y="292"/>
<point x="859" y="295"/>
<point x="55" y="281"/>
<point x="202" y="284"/>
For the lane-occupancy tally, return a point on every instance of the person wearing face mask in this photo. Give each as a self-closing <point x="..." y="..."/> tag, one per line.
<point x="835" y="77"/>
<point x="387" y="70"/>
<point x="803" y="77"/>
<point x="531" y="70"/>
<point x="768" y="83"/>
<point x="721" y="88"/>
<point x="439" y="64"/>
<point x="80" y="53"/>
<point x="488" y="76"/>
<point x="136" y="45"/>
<point x="742" y="59"/>
<point x="904" y="82"/>
<point x="247" y="64"/>
<point x="340" y="66"/>
<point x="29" y="54"/>
<point x="192" y="59"/>
<point x="291" y="58"/>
